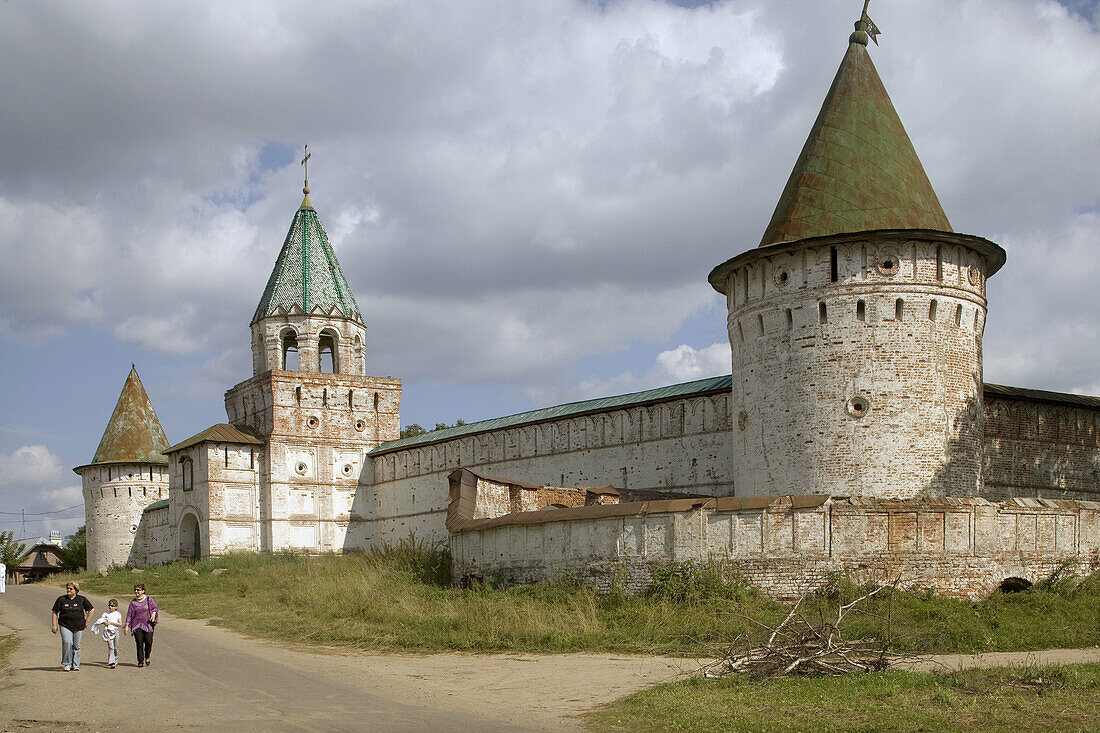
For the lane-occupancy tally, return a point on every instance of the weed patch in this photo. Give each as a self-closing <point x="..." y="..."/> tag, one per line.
<point x="400" y="598"/>
<point x="1034" y="699"/>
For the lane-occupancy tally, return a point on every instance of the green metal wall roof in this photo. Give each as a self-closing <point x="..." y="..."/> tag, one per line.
<point x="685" y="389"/>
<point x="306" y="273"/>
<point x="858" y="170"/>
<point x="571" y="409"/>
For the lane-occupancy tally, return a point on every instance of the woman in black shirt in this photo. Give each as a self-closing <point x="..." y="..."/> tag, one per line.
<point x="70" y="613"/>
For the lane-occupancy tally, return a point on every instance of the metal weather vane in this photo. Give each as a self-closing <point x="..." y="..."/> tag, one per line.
<point x="867" y="25"/>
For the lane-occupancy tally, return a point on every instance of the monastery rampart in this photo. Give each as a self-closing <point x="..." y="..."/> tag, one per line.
<point x="1038" y="444"/>
<point x="787" y="545"/>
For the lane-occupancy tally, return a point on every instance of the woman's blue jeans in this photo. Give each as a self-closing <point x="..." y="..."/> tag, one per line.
<point x="70" y="647"/>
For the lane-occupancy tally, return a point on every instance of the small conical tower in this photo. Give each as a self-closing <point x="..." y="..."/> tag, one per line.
<point x="856" y="325"/>
<point x="309" y="398"/>
<point x="128" y="472"/>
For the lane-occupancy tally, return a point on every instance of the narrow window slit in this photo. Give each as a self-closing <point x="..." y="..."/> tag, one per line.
<point x="958" y="315"/>
<point x="822" y="313"/>
<point x="932" y="310"/>
<point x="789" y="319"/>
<point x="861" y="310"/>
<point x="834" y="272"/>
<point x="899" y="310"/>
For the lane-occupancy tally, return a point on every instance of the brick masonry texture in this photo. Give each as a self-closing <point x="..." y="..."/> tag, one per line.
<point x="789" y="545"/>
<point x="857" y="367"/>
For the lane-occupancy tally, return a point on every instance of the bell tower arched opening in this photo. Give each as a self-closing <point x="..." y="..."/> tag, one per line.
<point x="328" y="361"/>
<point x="288" y="350"/>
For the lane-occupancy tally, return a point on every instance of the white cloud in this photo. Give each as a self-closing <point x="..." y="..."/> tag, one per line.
<point x="515" y="190"/>
<point x="680" y="364"/>
<point x="29" y="465"/>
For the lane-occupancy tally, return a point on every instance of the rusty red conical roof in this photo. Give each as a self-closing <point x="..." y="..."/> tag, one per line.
<point x="133" y="434"/>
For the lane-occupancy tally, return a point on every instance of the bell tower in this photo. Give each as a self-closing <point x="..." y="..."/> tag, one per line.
<point x="309" y="396"/>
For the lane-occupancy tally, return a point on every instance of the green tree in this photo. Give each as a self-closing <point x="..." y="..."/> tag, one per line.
<point x="411" y="431"/>
<point x="75" y="551"/>
<point x="11" y="552"/>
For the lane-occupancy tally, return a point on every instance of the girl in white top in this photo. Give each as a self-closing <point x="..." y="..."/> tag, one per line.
<point x="110" y="623"/>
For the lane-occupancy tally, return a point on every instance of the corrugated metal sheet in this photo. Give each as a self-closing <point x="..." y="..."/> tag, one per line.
<point x="571" y="409"/>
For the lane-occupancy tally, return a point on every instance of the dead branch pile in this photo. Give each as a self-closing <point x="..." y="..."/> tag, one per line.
<point x="799" y="647"/>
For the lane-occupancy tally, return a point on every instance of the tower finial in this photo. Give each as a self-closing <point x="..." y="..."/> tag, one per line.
<point x="306" y="204"/>
<point x="305" y="162"/>
<point x="865" y="27"/>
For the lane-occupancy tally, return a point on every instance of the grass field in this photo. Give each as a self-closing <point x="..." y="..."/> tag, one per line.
<point x="400" y="598"/>
<point x="1034" y="699"/>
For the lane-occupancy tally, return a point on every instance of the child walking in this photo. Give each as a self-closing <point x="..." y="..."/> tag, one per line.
<point x="110" y="623"/>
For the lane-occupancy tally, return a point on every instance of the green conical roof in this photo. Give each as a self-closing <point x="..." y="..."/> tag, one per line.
<point x="858" y="169"/>
<point x="307" y="275"/>
<point x="134" y="434"/>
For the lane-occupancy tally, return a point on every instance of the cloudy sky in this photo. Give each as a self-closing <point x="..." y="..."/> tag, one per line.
<point x="526" y="197"/>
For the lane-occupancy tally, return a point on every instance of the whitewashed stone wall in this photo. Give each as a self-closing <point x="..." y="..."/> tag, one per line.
<point x="680" y="445"/>
<point x="857" y="364"/>
<point x="115" y="495"/>
<point x="1041" y="449"/>
<point x="319" y="427"/>
<point x="788" y="545"/>
<point x="153" y="542"/>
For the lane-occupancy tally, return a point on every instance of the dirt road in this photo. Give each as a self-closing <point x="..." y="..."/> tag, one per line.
<point x="204" y="677"/>
<point x="207" y="678"/>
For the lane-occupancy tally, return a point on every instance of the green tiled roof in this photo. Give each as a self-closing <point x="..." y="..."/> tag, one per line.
<point x="571" y="409"/>
<point x="156" y="505"/>
<point x="307" y="275"/>
<point x="858" y="170"/>
<point x="133" y="434"/>
<point x="220" y="433"/>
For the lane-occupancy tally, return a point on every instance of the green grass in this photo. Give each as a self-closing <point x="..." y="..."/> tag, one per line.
<point x="1033" y="699"/>
<point x="399" y="598"/>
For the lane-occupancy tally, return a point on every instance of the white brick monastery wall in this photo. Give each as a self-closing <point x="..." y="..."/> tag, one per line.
<point x="788" y="545"/>
<point x="681" y="445"/>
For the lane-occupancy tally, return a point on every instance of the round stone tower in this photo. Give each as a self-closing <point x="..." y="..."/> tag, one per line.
<point x="128" y="473"/>
<point x="856" y="326"/>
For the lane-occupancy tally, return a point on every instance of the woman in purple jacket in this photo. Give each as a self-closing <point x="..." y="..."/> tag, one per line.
<point x="141" y="618"/>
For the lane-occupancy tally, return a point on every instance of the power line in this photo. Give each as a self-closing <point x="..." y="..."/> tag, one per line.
<point x="43" y="519"/>
<point x="36" y="514"/>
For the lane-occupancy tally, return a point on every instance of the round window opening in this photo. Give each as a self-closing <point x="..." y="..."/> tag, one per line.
<point x="301" y="468"/>
<point x="889" y="263"/>
<point x="346" y="470"/>
<point x="782" y="277"/>
<point x="858" y="406"/>
<point x="742" y="419"/>
<point x="360" y="425"/>
<point x="312" y="422"/>
<point x="133" y="529"/>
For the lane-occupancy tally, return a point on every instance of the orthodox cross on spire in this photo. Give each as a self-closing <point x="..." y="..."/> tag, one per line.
<point x="305" y="162"/>
<point x="865" y="27"/>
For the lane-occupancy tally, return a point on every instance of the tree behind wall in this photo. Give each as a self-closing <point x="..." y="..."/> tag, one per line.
<point x="11" y="552"/>
<point x="75" y="552"/>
